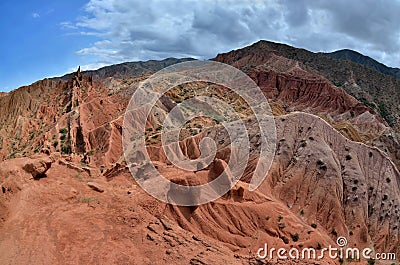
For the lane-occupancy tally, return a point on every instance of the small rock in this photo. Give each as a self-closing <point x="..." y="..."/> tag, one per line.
<point x="45" y="151"/>
<point x="196" y="238"/>
<point x="96" y="187"/>
<point x="165" y="222"/>
<point x="149" y="237"/>
<point x="38" y="167"/>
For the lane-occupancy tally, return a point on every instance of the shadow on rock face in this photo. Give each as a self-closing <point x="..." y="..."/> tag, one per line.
<point x="181" y="195"/>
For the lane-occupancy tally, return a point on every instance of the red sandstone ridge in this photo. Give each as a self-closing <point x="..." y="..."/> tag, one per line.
<point x="376" y="113"/>
<point x="287" y="84"/>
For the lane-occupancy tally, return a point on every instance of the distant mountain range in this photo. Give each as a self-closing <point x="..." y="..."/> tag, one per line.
<point x="128" y="69"/>
<point x="366" y="61"/>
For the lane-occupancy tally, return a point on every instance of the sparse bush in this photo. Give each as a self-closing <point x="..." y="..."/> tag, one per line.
<point x="313" y="225"/>
<point x="282" y="225"/>
<point x="65" y="149"/>
<point x="348" y="157"/>
<point x="63" y="130"/>
<point x="295" y="237"/>
<point x="367" y="103"/>
<point x="385" y="113"/>
<point x="321" y="164"/>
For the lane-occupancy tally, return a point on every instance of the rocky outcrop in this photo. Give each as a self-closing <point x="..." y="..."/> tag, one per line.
<point x="38" y="167"/>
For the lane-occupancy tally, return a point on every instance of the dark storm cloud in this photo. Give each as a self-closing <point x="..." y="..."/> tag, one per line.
<point x="375" y="22"/>
<point x="139" y="30"/>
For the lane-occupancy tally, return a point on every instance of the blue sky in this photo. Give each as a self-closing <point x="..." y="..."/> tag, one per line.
<point x="42" y="39"/>
<point x="35" y="44"/>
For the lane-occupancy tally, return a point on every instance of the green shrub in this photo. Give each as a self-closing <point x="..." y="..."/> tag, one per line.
<point x="65" y="149"/>
<point x="295" y="237"/>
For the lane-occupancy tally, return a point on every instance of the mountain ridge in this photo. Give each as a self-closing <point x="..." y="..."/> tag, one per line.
<point x="357" y="57"/>
<point x="363" y="83"/>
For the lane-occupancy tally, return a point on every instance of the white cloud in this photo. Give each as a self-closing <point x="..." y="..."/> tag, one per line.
<point x="90" y="66"/>
<point x="154" y="29"/>
<point x="68" y="25"/>
<point x="35" y="15"/>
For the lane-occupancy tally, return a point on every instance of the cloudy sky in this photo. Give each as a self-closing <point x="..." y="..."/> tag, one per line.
<point x="49" y="38"/>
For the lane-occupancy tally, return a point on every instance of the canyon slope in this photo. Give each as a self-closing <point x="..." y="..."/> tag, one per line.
<point x="67" y="196"/>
